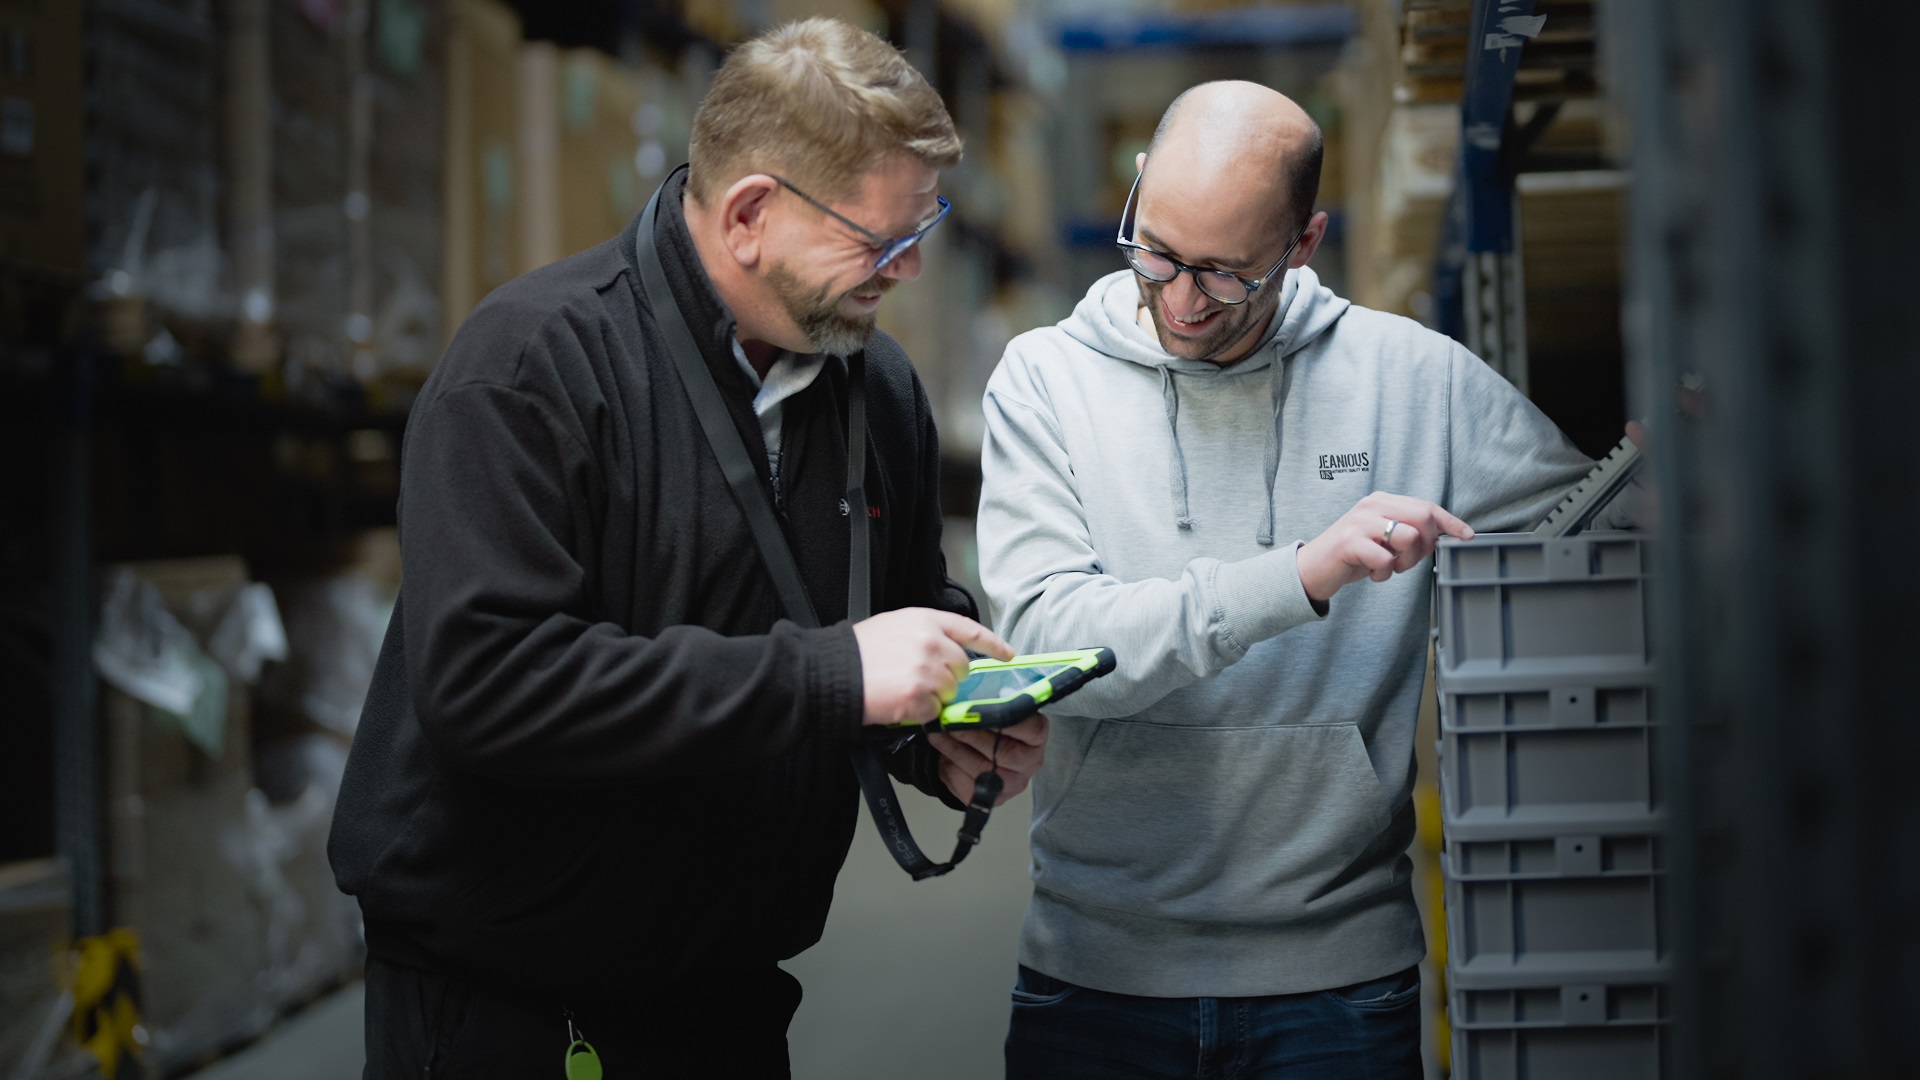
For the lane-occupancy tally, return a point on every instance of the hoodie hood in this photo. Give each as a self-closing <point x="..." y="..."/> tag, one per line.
<point x="1107" y="321"/>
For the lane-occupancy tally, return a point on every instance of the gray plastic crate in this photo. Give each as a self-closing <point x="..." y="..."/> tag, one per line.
<point x="1604" y="1030"/>
<point x="1565" y="856"/>
<point x="1551" y="757"/>
<point x="1545" y="910"/>
<point x="1514" y="606"/>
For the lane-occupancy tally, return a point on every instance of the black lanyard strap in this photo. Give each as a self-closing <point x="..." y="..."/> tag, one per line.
<point x="711" y="410"/>
<point x="743" y="479"/>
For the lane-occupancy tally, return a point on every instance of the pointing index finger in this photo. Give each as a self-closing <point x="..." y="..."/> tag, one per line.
<point x="1451" y="525"/>
<point x="975" y="636"/>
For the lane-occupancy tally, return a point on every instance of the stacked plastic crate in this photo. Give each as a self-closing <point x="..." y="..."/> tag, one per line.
<point x="1554" y="862"/>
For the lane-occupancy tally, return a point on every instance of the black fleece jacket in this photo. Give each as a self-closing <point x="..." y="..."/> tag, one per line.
<point x="595" y="758"/>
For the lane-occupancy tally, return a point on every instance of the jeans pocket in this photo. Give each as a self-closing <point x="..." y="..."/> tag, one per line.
<point x="1032" y="988"/>
<point x="1380" y="995"/>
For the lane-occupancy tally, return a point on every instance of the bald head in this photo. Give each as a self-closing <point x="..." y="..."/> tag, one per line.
<point x="1242" y="142"/>
<point x="1228" y="186"/>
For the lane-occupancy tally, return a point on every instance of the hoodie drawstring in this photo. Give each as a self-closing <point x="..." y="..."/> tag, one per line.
<point x="1277" y="380"/>
<point x="1170" y="394"/>
<point x="1182" y="515"/>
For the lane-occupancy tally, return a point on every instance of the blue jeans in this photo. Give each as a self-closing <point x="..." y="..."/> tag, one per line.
<point x="1368" y="1031"/>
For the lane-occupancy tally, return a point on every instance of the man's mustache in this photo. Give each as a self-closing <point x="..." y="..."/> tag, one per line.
<point x="873" y="286"/>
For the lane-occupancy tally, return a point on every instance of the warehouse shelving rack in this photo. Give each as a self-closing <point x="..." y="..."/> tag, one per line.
<point x="72" y="403"/>
<point x="1479" y="289"/>
<point x="1772" y="241"/>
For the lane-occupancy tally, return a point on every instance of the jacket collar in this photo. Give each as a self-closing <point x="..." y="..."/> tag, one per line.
<point x="708" y="317"/>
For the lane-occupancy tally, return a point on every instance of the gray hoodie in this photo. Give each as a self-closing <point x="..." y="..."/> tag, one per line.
<point x="1227" y="814"/>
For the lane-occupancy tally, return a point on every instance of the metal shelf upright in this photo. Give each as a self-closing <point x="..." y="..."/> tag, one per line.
<point x="1478" y="289"/>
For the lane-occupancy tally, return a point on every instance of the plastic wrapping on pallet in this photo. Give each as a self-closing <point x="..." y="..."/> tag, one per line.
<point x="313" y="936"/>
<point x="228" y="889"/>
<point x="144" y="652"/>
<point x="334" y="627"/>
<point x="176" y="821"/>
<point x="154" y="182"/>
<point x="310" y="147"/>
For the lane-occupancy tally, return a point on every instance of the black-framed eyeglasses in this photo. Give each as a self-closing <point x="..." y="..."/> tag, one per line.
<point x="889" y="248"/>
<point x="1162" y="267"/>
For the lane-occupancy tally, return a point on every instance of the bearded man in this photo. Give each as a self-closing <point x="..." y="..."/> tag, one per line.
<point x="601" y="787"/>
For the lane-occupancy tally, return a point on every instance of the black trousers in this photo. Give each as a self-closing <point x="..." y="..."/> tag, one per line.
<point x="422" y="1025"/>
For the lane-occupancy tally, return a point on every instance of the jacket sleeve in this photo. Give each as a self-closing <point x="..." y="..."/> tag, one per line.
<point x="913" y="760"/>
<point x="1508" y="464"/>
<point x="512" y="674"/>
<point x="1049" y="590"/>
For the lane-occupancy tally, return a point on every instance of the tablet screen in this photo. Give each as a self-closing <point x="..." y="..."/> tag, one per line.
<point x="996" y="683"/>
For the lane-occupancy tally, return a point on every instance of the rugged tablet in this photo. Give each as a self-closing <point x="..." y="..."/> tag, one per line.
<point x="998" y="693"/>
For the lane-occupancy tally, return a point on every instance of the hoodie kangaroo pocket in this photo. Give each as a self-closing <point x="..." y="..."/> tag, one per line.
<point x="1217" y="824"/>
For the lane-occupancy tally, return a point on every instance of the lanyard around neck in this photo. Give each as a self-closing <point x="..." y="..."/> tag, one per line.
<point x="762" y="520"/>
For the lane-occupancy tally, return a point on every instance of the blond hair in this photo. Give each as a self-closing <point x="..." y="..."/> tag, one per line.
<point x="818" y="102"/>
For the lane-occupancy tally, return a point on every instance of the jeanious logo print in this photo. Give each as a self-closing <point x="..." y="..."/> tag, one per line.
<point x="1332" y="465"/>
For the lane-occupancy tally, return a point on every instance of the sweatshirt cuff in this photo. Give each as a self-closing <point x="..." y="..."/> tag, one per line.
<point x="1262" y="597"/>
<point x="836" y="694"/>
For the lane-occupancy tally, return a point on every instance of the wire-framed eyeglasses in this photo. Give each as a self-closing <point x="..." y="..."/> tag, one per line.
<point x="1161" y="267"/>
<point x="890" y="248"/>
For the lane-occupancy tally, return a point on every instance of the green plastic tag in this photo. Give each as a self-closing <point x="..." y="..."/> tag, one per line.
<point x="584" y="1065"/>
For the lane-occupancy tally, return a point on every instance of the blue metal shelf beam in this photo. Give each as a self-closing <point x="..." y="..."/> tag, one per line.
<point x="1093" y="232"/>
<point x="1479" y="215"/>
<point x="1500" y="28"/>
<point x="1292" y="26"/>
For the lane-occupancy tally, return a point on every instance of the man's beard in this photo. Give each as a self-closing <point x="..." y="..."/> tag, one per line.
<point x="1228" y="328"/>
<point x="816" y="311"/>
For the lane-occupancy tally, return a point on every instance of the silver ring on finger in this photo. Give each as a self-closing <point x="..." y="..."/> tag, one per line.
<point x="1387" y="537"/>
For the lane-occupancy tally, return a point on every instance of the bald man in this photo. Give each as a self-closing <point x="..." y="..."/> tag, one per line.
<point x="1188" y="470"/>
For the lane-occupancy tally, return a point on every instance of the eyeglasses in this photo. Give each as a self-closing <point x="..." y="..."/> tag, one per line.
<point x="1162" y="267"/>
<point x="889" y="249"/>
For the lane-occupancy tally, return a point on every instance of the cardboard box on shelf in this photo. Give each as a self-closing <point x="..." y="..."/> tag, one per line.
<point x="581" y="150"/>
<point x="42" y="214"/>
<point x="482" y="205"/>
<point x="537" y="157"/>
<point x="1571" y="241"/>
<point x="1393" y="259"/>
<point x="600" y="145"/>
<point x="865" y="14"/>
<point x="406" y="185"/>
<point x="719" y="20"/>
<point x="1021" y="158"/>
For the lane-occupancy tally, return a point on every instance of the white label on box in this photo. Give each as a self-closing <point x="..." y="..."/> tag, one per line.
<point x="16" y="127"/>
